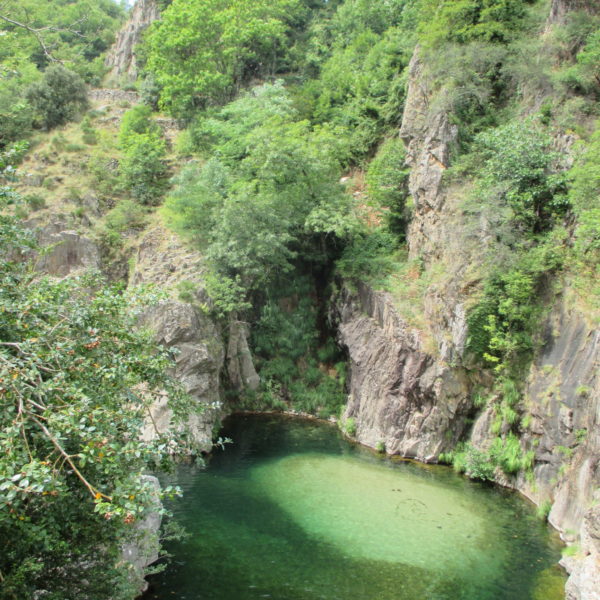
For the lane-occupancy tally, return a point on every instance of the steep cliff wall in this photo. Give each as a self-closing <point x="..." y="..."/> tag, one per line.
<point x="411" y="385"/>
<point x="122" y="58"/>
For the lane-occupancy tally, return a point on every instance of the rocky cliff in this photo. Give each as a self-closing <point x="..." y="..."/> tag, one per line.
<point x="411" y="380"/>
<point x="122" y="58"/>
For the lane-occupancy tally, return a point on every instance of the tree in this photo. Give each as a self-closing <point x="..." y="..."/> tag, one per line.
<point x="77" y="377"/>
<point x="519" y="171"/>
<point x="58" y="98"/>
<point x="269" y="193"/>
<point x="203" y="50"/>
<point x="465" y="21"/>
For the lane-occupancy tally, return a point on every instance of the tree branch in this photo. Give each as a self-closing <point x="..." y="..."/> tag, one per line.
<point x="35" y="33"/>
<point x="93" y="491"/>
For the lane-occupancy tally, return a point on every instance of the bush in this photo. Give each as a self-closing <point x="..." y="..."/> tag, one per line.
<point x="58" y="98"/>
<point x="518" y="171"/>
<point x="474" y="463"/>
<point x="368" y="257"/>
<point x="35" y="202"/>
<point x="387" y="178"/>
<point x="125" y="216"/>
<point x="464" y="21"/>
<point x="143" y="168"/>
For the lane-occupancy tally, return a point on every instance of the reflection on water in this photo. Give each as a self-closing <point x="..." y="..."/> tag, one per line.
<point x="291" y="511"/>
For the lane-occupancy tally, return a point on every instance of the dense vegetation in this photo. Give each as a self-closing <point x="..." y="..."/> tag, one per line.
<point x="288" y="176"/>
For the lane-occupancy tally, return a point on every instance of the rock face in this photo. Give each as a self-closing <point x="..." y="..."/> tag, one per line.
<point x="399" y="395"/>
<point x="240" y="366"/>
<point x="122" y="59"/>
<point x="66" y="251"/>
<point x="198" y="352"/>
<point x="561" y="8"/>
<point x="411" y="383"/>
<point x="584" y="581"/>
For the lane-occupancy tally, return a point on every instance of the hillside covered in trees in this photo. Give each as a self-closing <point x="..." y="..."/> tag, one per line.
<point x="278" y="168"/>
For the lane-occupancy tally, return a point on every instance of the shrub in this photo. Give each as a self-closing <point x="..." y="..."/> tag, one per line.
<point x="58" y="98"/>
<point x="474" y="463"/>
<point x="349" y="426"/>
<point x="509" y="456"/>
<point x="35" y="201"/>
<point x="543" y="510"/>
<point x="387" y="177"/>
<point x="143" y="169"/>
<point x="368" y="257"/>
<point x="125" y="216"/>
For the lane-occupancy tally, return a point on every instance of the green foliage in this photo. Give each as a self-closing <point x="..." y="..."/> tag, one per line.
<point x="77" y="377"/>
<point x="35" y="201"/>
<point x="125" y="216"/>
<point x="16" y="114"/>
<point x="509" y="456"/>
<point x="268" y="194"/>
<point x="543" y="510"/>
<point x="472" y="462"/>
<point x="361" y="88"/>
<point x="572" y="550"/>
<point x="201" y="51"/>
<point x="294" y="363"/>
<point x="135" y="122"/>
<point x="368" y="257"/>
<point x="585" y="196"/>
<point x="503" y="323"/>
<point x="380" y="447"/>
<point x="518" y="172"/>
<point x="465" y="21"/>
<point x="387" y="181"/>
<point x="75" y="33"/>
<point x="58" y="98"/>
<point x="522" y="197"/>
<point x="143" y="168"/>
<point x="348" y="426"/>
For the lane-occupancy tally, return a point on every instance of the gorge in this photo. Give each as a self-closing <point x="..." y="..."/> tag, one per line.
<point x="384" y="217"/>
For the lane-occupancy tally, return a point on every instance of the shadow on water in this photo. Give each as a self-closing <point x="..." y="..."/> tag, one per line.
<point x="245" y="545"/>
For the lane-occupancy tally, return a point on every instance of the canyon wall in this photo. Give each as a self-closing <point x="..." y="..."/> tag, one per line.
<point x="412" y="381"/>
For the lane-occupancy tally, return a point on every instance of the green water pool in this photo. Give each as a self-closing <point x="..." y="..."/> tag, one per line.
<point x="292" y="511"/>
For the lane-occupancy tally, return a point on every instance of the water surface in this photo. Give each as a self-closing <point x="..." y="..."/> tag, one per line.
<point x="291" y="511"/>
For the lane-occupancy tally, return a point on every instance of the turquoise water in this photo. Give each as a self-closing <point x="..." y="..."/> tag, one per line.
<point x="291" y="511"/>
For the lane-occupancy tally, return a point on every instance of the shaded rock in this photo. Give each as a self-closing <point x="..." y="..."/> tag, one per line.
<point x="240" y="366"/>
<point x="65" y="251"/>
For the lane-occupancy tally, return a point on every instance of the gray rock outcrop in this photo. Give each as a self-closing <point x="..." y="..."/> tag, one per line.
<point x="199" y="355"/>
<point x="122" y="58"/>
<point x="399" y="394"/>
<point x="240" y="365"/>
<point x="63" y="251"/>
<point x="561" y="8"/>
<point x="142" y="550"/>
